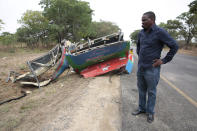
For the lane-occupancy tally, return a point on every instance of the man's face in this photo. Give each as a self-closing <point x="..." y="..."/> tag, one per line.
<point x="147" y="22"/>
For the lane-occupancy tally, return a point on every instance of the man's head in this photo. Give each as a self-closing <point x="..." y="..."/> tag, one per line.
<point x="148" y="19"/>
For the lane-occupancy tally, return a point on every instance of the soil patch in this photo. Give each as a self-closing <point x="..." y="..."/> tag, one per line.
<point x="69" y="103"/>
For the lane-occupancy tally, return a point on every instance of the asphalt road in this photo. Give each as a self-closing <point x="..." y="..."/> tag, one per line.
<point x="176" y="106"/>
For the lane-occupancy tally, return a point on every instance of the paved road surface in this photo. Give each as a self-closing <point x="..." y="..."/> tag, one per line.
<point x="176" y="107"/>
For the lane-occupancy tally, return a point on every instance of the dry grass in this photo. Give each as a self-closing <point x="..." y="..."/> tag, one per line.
<point x="189" y="51"/>
<point x="192" y="52"/>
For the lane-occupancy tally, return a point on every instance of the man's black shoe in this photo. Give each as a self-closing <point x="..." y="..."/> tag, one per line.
<point x="137" y="112"/>
<point x="150" y="118"/>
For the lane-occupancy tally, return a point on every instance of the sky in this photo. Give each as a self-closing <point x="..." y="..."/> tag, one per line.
<point x="124" y="13"/>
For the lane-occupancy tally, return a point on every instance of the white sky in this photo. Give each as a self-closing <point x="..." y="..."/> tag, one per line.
<point x="125" y="13"/>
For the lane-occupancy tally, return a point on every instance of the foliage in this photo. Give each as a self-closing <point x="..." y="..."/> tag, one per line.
<point x="61" y="19"/>
<point x="188" y="28"/>
<point x="34" y="28"/>
<point x="102" y="28"/>
<point x="1" y="23"/>
<point x="183" y="27"/>
<point x="70" y="18"/>
<point x="172" y="27"/>
<point x="7" y="38"/>
<point x="134" y="36"/>
<point x="193" y="7"/>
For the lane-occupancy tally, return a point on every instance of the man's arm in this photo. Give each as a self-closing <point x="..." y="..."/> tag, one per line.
<point x="171" y="43"/>
<point x="138" y="44"/>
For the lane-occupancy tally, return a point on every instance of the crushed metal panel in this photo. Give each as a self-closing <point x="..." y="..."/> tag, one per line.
<point x="37" y="67"/>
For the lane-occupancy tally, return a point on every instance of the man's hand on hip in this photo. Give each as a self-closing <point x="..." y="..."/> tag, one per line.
<point x="157" y="62"/>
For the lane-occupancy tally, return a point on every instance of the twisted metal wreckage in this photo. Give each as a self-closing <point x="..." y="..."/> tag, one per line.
<point x="89" y="59"/>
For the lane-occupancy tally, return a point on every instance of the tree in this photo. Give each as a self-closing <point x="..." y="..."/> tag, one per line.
<point x="134" y="36"/>
<point x="34" y="28"/>
<point x="193" y="10"/>
<point x="1" y="23"/>
<point x="102" y="28"/>
<point x="22" y="34"/>
<point x="188" y="27"/>
<point x="193" y="7"/>
<point x="70" y="18"/>
<point x="7" y="38"/>
<point x="172" y="27"/>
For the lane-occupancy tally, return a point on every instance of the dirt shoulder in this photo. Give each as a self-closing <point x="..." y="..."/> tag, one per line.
<point x="188" y="52"/>
<point x="70" y="103"/>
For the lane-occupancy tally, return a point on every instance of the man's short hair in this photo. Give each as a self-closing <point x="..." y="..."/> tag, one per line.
<point x="151" y="15"/>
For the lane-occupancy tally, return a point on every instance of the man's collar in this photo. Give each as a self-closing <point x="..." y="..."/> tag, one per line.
<point x="152" y="28"/>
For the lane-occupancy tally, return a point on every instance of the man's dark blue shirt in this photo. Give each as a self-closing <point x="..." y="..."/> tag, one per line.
<point x="150" y="45"/>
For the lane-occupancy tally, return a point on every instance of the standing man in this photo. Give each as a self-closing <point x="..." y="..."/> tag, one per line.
<point x="151" y="41"/>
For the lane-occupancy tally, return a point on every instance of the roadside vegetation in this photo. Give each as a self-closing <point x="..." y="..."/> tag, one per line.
<point x="183" y="29"/>
<point x="72" y="20"/>
<point x="60" y="19"/>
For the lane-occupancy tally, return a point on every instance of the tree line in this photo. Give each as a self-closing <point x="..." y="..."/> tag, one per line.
<point x="183" y="28"/>
<point x="60" y="19"/>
